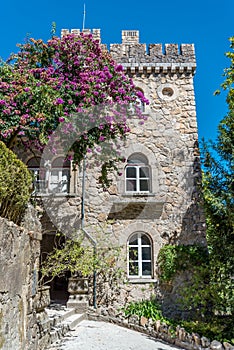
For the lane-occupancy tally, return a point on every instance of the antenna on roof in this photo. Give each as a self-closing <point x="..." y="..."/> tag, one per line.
<point x="84" y="18"/>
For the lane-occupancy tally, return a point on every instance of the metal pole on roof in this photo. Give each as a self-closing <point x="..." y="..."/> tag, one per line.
<point x="83" y="27"/>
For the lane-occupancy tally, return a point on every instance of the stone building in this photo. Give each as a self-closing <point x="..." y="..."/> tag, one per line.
<point x="156" y="199"/>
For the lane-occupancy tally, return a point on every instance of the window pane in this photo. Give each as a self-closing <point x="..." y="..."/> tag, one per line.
<point x="131" y="185"/>
<point x="146" y="268"/>
<point x="38" y="180"/>
<point x="137" y="158"/>
<point x="133" y="268"/>
<point x="65" y="180"/>
<point x="133" y="253"/>
<point x="146" y="253"/>
<point x="54" y="176"/>
<point x="131" y="172"/>
<point x="145" y="240"/>
<point x="144" y="185"/>
<point x="133" y="240"/>
<point x="144" y="172"/>
<point x="54" y="181"/>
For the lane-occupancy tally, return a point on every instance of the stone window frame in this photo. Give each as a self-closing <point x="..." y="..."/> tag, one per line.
<point x="139" y="103"/>
<point x="43" y="173"/>
<point x="156" y="240"/>
<point x="144" y="88"/>
<point x="169" y="87"/>
<point x="137" y="148"/>
<point x="140" y="260"/>
<point x="140" y="164"/>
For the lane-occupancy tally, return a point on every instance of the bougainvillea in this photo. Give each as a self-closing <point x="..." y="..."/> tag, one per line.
<point x="45" y="84"/>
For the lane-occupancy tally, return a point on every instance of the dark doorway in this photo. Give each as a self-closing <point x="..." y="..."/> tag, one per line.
<point x="59" y="285"/>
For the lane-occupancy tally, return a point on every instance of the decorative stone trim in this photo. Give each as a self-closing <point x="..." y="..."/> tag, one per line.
<point x="159" y="67"/>
<point x="135" y="227"/>
<point x="167" y="92"/>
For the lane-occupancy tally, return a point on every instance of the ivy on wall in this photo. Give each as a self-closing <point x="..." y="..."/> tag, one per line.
<point x="175" y="258"/>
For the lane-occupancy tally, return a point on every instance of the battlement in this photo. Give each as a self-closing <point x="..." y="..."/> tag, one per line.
<point x="96" y="33"/>
<point x="137" y="57"/>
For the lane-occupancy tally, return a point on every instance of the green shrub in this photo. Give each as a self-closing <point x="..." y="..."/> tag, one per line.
<point x="147" y="308"/>
<point x="219" y="328"/>
<point x="15" y="184"/>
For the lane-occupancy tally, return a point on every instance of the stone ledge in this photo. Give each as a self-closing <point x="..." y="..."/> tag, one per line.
<point x="141" y="280"/>
<point x="160" y="67"/>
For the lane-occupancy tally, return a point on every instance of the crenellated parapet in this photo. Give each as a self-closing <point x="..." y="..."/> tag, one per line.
<point x="96" y="33"/>
<point x="137" y="57"/>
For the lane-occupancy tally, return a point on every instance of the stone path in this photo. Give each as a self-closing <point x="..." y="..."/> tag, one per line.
<point x="94" y="335"/>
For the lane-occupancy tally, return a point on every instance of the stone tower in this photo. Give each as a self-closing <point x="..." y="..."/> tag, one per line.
<point x="156" y="199"/>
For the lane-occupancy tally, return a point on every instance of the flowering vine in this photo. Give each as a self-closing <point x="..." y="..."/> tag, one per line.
<point x="46" y="83"/>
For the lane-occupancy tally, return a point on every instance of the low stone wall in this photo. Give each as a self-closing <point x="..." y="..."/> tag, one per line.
<point x="158" y="330"/>
<point x="22" y="314"/>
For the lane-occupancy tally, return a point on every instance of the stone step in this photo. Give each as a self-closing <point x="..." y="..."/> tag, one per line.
<point x="73" y="320"/>
<point x="62" y="321"/>
<point x="58" y="316"/>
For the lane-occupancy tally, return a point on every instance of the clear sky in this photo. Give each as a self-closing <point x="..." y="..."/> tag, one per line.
<point x="206" y="23"/>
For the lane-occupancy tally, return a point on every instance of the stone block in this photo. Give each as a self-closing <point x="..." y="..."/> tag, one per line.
<point x="228" y="346"/>
<point x="143" y="321"/>
<point x="133" y="319"/>
<point x="216" y="345"/>
<point x="205" y="342"/>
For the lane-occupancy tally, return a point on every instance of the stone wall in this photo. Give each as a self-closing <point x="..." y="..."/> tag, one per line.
<point x="19" y="305"/>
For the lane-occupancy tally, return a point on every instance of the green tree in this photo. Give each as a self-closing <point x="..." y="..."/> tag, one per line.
<point x="218" y="189"/>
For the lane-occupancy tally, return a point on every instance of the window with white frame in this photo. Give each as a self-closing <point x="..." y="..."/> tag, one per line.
<point x="137" y="174"/>
<point x="139" y="256"/>
<point x="53" y="178"/>
<point x="59" y="180"/>
<point x="39" y="174"/>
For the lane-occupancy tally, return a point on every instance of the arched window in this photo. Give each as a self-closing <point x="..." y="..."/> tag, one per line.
<point x="137" y="174"/>
<point x="39" y="174"/>
<point x="139" y="255"/>
<point x="139" y="103"/>
<point x="60" y="176"/>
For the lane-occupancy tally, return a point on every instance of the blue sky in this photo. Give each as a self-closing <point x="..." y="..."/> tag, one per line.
<point x="206" y="23"/>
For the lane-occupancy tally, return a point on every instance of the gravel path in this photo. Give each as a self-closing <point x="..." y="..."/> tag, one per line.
<point x="92" y="335"/>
